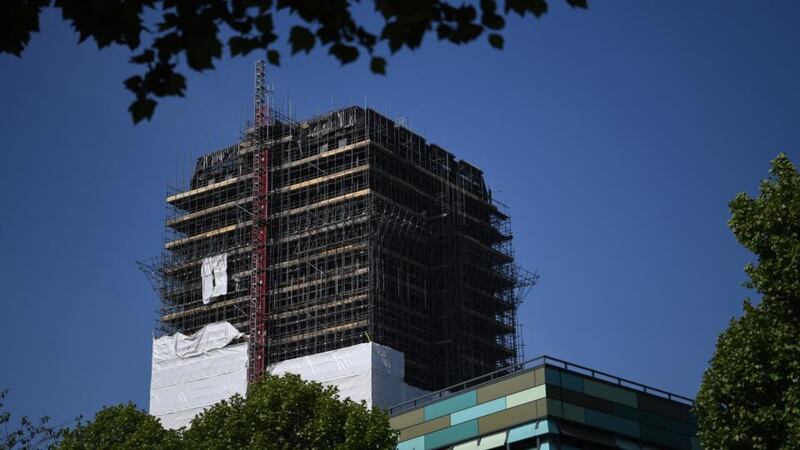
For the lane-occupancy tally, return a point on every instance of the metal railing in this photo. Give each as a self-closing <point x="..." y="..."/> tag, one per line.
<point x="540" y="361"/>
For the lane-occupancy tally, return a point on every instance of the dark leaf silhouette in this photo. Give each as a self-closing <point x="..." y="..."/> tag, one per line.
<point x="162" y="34"/>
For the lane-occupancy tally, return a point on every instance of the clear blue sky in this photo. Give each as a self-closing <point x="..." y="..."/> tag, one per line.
<point x="617" y="136"/>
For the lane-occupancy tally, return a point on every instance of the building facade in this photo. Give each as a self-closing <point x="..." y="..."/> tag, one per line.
<point x="547" y="404"/>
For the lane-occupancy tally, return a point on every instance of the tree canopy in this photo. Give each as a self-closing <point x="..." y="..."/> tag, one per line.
<point x="280" y="413"/>
<point x="28" y="434"/>
<point x="162" y="33"/>
<point x="120" y="427"/>
<point x="289" y="413"/>
<point x="750" y="394"/>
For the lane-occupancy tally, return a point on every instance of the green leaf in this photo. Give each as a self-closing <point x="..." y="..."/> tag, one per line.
<point x="274" y="57"/>
<point x="301" y="39"/>
<point x="18" y="20"/>
<point x="144" y="57"/>
<point x="496" y="41"/>
<point x="142" y="109"/>
<point x="378" y="65"/>
<point x="344" y="53"/>
<point x="134" y="83"/>
<point x="241" y="45"/>
<point x="522" y="7"/>
<point x="191" y="31"/>
<point x="578" y="4"/>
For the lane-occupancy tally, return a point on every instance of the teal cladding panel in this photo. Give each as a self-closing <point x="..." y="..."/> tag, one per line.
<point x="628" y="412"/>
<point x="572" y="382"/>
<point x="450" y="405"/>
<point x="531" y="430"/>
<point x="418" y="443"/>
<point x="492" y="441"/>
<point x="460" y="432"/>
<point x="653" y="419"/>
<point x="555" y="408"/>
<point x="626" y="445"/>
<point x="484" y="409"/>
<point x="552" y="376"/>
<point x="610" y="393"/>
<point x="666" y="437"/>
<point x="609" y="422"/>
<point x="574" y="413"/>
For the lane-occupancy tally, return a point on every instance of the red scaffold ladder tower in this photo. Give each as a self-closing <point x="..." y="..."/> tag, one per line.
<point x="259" y="304"/>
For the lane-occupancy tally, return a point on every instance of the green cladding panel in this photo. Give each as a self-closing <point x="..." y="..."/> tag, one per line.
<point x="507" y="386"/>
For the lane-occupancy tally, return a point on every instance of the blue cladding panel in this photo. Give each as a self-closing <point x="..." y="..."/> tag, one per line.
<point x="484" y="409"/>
<point x="460" y="432"/>
<point x="451" y="405"/>
<point x="418" y="443"/>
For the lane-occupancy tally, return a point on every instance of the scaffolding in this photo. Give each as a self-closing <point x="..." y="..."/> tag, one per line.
<point x="343" y="229"/>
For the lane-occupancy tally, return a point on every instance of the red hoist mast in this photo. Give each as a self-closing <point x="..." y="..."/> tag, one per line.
<point x="259" y="305"/>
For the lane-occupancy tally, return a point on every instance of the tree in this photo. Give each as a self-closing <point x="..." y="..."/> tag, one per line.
<point x="120" y="427"/>
<point x="28" y="435"/>
<point x="194" y="30"/>
<point x="750" y="394"/>
<point x="289" y="413"/>
<point x="281" y="413"/>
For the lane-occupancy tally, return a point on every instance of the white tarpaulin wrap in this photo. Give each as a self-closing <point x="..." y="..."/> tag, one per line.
<point x="369" y="372"/>
<point x="214" y="272"/>
<point x="191" y="373"/>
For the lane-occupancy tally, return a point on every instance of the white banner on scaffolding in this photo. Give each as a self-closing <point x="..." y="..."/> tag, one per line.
<point x="214" y="273"/>
<point x="191" y="373"/>
<point x="370" y="372"/>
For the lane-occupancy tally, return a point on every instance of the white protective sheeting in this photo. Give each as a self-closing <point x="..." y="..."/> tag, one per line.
<point x="191" y="373"/>
<point x="214" y="273"/>
<point x="370" y="372"/>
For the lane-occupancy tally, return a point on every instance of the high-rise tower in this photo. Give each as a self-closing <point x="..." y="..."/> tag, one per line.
<point x="348" y="228"/>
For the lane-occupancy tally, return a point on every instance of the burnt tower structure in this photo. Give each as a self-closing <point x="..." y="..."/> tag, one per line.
<point x="338" y="230"/>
